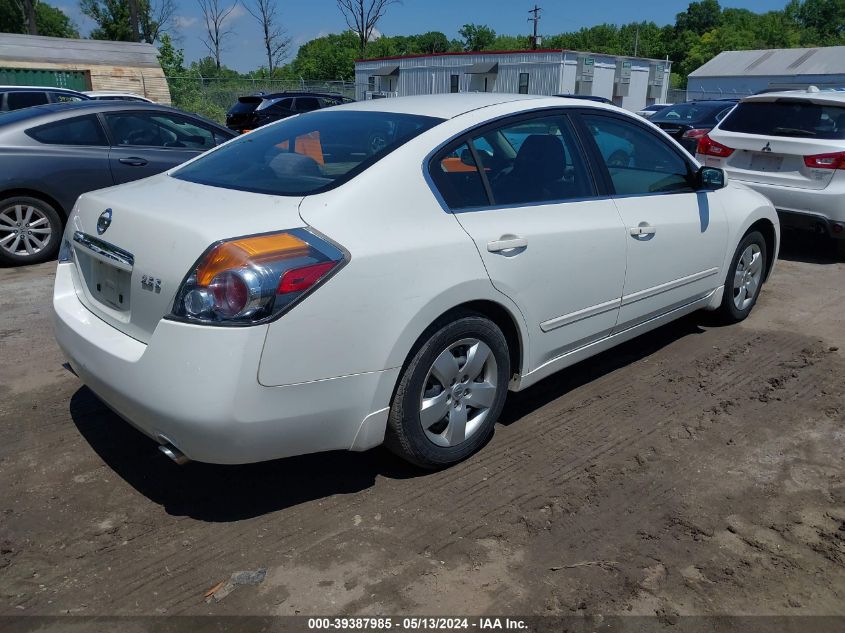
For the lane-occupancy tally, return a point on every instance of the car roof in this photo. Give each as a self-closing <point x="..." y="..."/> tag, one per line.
<point x="832" y="97"/>
<point x="448" y="106"/>
<point x="278" y="95"/>
<point x="38" y="89"/>
<point x="57" y="111"/>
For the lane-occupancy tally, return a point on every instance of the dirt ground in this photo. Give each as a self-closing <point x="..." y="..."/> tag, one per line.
<point x="697" y="470"/>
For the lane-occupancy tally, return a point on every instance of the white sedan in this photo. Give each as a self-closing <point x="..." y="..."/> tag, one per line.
<point x="386" y="271"/>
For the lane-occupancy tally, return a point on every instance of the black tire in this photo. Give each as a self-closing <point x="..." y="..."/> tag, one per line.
<point x="729" y="312"/>
<point x="51" y="246"/>
<point x="405" y="435"/>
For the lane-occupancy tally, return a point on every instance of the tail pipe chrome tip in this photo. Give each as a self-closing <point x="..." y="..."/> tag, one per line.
<point x="168" y="448"/>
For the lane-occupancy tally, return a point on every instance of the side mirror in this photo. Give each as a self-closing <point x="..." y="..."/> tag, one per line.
<point x="711" y="178"/>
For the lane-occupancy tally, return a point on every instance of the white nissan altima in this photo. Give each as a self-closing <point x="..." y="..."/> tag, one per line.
<point x="385" y="271"/>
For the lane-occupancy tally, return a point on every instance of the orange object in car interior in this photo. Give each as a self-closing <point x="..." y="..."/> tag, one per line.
<point x="307" y="145"/>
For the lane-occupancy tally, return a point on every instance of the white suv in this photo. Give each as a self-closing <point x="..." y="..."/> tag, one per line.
<point x="789" y="146"/>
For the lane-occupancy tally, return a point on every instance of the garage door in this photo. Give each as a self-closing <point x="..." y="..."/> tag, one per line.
<point x="73" y="79"/>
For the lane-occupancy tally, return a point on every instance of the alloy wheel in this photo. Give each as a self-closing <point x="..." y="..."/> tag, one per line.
<point x="24" y="230"/>
<point x="458" y="392"/>
<point x="747" y="276"/>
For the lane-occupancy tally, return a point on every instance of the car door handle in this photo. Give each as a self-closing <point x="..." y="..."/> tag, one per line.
<point x="134" y="161"/>
<point x="643" y="229"/>
<point x="507" y="243"/>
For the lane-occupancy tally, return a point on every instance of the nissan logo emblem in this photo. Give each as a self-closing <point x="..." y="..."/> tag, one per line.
<point x="104" y="222"/>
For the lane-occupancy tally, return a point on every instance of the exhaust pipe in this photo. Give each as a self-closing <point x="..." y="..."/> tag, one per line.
<point x="167" y="447"/>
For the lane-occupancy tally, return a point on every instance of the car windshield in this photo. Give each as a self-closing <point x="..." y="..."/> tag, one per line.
<point x="688" y="112"/>
<point x="787" y="117"/>
<point x="305" y="154"/>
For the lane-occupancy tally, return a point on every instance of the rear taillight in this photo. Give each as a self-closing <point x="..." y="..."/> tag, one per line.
<point x="826" y="161"/>
<point x="249" y="280"/>
<point x="696" y="132"/>
<point x="708" y="147"/>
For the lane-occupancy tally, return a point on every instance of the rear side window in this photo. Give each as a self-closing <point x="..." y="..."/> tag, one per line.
<point x="688" y="113"/>
<point x="307" y="104"/>
<point x="157" y="130"/>
<point x="17" y="100"/>
<point x="83" y="130"/>
<point x="456" y="177"/>
<point x="533" y="161"/>
<point x="787" y="118"/>
<point x="63" y="97"/>
<point x="302" y="155"/>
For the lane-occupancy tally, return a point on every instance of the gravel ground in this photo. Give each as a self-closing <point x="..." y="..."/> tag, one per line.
<point x="697" y="470"/>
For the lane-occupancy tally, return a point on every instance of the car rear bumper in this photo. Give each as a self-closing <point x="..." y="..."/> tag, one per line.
<point x="815" y="206"/>
<point x="197" y="387"/>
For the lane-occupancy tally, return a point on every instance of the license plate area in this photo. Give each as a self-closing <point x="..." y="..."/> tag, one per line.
<point x="107" y="272"/>
<point x="766" y="162"/>
<point x="110" y="285"/>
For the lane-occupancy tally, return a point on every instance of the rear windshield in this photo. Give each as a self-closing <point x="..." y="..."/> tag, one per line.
<point x="307" y="153"/>
<point x="689" y="112"/>
<point x="787" y="118"/>
<point x="245" y="105"/>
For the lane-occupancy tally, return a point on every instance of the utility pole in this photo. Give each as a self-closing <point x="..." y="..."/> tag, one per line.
<point x="535" y="39"/>
<point x="637" y="41"/>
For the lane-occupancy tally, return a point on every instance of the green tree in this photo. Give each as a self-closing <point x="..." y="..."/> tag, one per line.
<point x="699" y="17"/>
<point x="432" y="42"/>
<point x="326" y="58"/>
<point x="49" y="20"/>
<point x="112" y="18"/>
<point x="477" y="37"/>
<point x="826" y="18"/>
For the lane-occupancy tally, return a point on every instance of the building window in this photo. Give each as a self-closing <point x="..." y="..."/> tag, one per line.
<point x="371" y="84"/>
<point x="454" y="83"/>
<point x="523" y="83"/>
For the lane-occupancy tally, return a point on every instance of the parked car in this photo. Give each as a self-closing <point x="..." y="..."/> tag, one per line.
<point x="17" y="97"/>
<point x="53" y="153"/>
<point x="277" y="296"/>
<point x="650" y="110"/>
<point x="688" y="122"/>
<point x="107" y="95"/>
<point x="789" y="146"/>
<point x="253" y="111"/>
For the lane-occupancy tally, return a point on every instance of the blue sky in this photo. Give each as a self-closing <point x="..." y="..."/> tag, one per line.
<point x="307" y="19"/>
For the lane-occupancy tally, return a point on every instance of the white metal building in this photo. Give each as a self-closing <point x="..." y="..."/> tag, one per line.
<point x="740" y="73"/>
<point x="630" y="82"/>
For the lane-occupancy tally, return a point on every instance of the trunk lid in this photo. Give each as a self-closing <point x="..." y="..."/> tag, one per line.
<point x="129" y="274"/>
<point x="776" y="160"/>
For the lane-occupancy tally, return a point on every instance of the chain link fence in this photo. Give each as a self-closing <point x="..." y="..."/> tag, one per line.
<point x="212" y="97"/>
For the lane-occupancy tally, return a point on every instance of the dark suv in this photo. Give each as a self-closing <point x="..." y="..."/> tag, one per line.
<point x="256" y="110"/>
<point x="17" y="97"/>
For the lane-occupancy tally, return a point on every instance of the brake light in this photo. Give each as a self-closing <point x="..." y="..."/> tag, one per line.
<point x="249" y="280"/>
<point x="708" y="147"/>
<point x="696" y="132"/>
<point x="826" y="161"/>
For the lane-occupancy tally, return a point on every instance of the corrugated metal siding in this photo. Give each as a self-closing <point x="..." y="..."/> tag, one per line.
<point x="552" y="72"/>
<point x="827" y="60"/>
<point x="73" y="79"/>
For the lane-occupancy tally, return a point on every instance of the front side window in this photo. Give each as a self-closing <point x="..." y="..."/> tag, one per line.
<point x="784" y="117"/>
<point x="143" y="129"/>
<point x="533" y="161"/>
<point x="523" y="83"/>
<point x="17" y="100"/>
<point x="303" y="155"/>
<point x="83" y="130"/>
<point x="639" y="162"/>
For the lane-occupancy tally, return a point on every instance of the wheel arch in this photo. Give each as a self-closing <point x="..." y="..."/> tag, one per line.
<point x="33" y="193"/>
<point x="497" y="312"/>
<point x="767" y="230"/>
